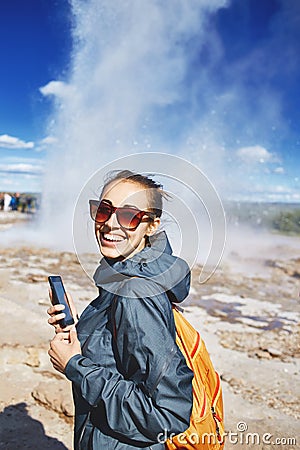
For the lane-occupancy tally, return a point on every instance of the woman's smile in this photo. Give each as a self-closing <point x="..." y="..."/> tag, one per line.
<point x="111" y="239"/>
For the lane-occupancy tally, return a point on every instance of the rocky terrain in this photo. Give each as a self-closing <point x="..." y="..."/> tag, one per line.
<point x="247" y="313"/>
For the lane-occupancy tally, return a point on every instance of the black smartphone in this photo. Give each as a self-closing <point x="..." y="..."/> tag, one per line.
<point x="59" y="297"/>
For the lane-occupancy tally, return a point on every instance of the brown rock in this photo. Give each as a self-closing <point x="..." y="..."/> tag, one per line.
<point x="56" y="396"/>
<point x="274" y="351"/>
<point x="33" y="359"/>
<point x="262" y="354"/>
<point x="236" y="382"/>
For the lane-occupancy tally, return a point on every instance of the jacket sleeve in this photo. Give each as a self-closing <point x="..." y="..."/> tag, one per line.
<point x="152" y="392"/>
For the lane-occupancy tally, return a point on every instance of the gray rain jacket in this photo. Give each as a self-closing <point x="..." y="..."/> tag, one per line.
<point x="131" y="385"/>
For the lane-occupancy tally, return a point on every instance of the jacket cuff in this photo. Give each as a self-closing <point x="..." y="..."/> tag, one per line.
<point x="76" y="368"/>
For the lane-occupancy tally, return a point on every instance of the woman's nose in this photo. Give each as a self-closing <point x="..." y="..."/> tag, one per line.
<point x="112" y="221"/>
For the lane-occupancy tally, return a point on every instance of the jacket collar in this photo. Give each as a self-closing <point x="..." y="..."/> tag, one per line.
<point x="155" y="262"/>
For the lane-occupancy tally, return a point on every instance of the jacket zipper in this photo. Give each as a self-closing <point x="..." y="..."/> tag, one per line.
<point x="83" y="429"/>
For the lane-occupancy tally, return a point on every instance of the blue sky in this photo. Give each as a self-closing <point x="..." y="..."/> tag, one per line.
<point x="35" y="44"/>
<point x="237" y="84"/>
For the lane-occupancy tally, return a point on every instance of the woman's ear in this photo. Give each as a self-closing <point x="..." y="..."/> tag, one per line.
<point x="153" y="226"/>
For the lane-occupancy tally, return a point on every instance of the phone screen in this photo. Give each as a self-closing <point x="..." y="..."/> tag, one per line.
<point x="59" y="296"/>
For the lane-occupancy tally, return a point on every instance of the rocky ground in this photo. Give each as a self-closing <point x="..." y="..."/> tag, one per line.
<point x="248" y="314"/>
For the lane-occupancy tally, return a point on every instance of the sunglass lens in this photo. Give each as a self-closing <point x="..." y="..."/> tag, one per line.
<point x="103" y="213"/>
<point x="93" y="210"/>
<point x="128" y="218"/>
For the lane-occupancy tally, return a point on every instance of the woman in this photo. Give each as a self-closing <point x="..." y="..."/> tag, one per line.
<point x="131" y="385"/>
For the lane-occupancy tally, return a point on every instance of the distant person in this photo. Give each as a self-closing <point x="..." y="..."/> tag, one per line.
<point x="23" y="204"/>
<point x="7" y="199"/>
<point x="36" y="203"/>
<point x="17" y="200"/>
<point x="130" y="380"/>
<point x="13" y="203"/>
<point x="29" y="204"/>
<point x="1" y="201"/>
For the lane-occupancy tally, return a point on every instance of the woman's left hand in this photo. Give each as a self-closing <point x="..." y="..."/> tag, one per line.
<point x="62" y="347"/>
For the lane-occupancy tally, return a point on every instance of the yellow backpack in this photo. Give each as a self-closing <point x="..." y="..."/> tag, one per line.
<point x="206" y="430"/>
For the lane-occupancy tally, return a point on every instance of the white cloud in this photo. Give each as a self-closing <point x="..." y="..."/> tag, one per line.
<point x="57" y="88"/>
<point x="21" y="183"/>
<point x="281" y="189"/>
<point x="283" y="197"/>
<point x="256" y="154"/>
<point x="271" y="189"/>
<point x="21" y="174"/>
<point x="6" y="182"/>
<point x="48" y="140"/>
<point x="13" y="159"/>
<point x="12" y="142"/>
<point x="22" y="168"/>
<point x="44" y="144"/>
<point x="279" y="170"/>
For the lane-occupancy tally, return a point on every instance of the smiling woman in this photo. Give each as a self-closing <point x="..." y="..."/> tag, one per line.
<point x="130" y="381"/>
<point x="123" y="231"/>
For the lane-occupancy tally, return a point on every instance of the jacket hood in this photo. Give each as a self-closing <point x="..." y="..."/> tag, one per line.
<point x="155" y="262"/>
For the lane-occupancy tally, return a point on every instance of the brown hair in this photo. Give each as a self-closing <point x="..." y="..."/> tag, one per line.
<point x="155" y="194"/>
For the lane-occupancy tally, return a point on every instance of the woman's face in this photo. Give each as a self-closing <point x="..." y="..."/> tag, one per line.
<point x="114" y="241"/>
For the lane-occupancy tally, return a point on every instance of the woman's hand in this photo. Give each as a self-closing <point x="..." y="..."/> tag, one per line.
<point x="62" y="347"/>
<point x="56" y="314"/>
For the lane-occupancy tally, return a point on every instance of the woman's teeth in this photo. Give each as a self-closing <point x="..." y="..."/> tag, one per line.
<point x="112" y="238"/>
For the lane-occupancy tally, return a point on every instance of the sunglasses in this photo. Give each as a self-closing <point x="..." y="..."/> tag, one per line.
<point x="128" y="217"/>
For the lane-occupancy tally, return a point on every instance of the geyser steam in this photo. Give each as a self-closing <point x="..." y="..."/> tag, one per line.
<point x="129" y="61"/>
